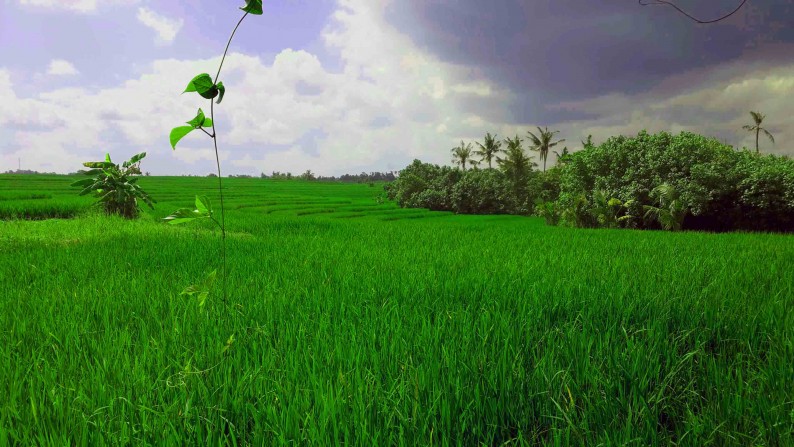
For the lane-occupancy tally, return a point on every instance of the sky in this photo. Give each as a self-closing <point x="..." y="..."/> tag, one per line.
<point x="350" y="86"/>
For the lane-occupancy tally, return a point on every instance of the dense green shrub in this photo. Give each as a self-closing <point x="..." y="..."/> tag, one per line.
<point x="659" y="181"/>
<point x="414" y="179"/>
<point x="483" y="192"/>
<point x="544" y="186"/>
<point x="766" y="192"/>
<point x="424" y="185"/>
<point x="716" y="187"/>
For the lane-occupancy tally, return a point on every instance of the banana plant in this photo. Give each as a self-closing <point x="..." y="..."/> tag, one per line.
<point x="115" y="187"/>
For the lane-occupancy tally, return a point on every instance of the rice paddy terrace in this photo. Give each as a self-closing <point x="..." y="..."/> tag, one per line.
<point x="351" y="321"/>
<point x="41" y="197"/>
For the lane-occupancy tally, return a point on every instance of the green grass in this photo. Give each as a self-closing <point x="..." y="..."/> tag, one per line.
<point x="349" y="327"/>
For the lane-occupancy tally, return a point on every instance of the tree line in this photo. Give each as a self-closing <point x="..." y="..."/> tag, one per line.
<point x="659" y="181"/>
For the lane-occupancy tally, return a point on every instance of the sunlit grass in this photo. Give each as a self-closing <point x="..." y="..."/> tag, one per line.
<point x="348" y="328"/>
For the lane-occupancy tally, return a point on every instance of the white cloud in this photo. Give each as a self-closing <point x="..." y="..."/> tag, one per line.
<point x="60" y="67"/>
<point x="166" y="28"/>
<point x="79" y="6"/>
<point x="717" y="106"/>
<point x="389" y="103"/>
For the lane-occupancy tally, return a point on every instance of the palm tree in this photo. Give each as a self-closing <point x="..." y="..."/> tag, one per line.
<point x="543" y="143"/>
<point x="587" y="143"/>
<point x="462" y="155"/>
<point x="562" y="157"/>
<point x="489" y="150"/>
<point x="516" y="165"/>
<point x="758" y="118"/>
<point x="671" y="210"/>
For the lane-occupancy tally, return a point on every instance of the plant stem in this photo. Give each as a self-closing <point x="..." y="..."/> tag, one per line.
<point x="227" y="49"/>
<point x="205" y="131"/>
<point x="220" y="191"/>
<point x="218" y="159"/>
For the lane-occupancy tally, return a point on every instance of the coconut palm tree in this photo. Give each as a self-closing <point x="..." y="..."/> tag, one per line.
<point x="516" y="165"/>
<point x="514" y="154"/>
<point x="671" y="210"/>
<point x="542" y="143"/>
<point x="462" y="154"/>
<point x="489" y="150"/>
<point x="758" y="117"/>
<point x="562" y="156"/>
<point x="588" y="143"/>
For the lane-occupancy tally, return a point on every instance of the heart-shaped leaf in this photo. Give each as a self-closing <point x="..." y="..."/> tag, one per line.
<point x="253" y="7"/>
<point x="209" y="94"/>
<point x="203" y="205"/>
<point x="177" y="133"/>
<point x="210" y="279"/>
<point x="181" y="216"/>
<point x="198" y="120"/>
<point x="201" y="83"/>
<point x="222" y="91"/>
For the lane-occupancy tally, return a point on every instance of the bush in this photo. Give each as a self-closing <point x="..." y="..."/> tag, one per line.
<point x="660" y="181"/>
<point x="544" y="186"/>
<point x="483" y="192"/>
<point x="716" y="188"/>
<point x="424" y="185"/>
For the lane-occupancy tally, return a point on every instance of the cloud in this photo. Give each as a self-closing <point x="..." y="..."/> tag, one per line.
<point x="385" y="101"/>
<point x="715" y="105"/>
<point x="166" y="28"/>
<point x="60" y="67"/>
<point x="79" y="6"/>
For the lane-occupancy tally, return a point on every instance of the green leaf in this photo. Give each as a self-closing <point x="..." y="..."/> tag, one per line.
<point x="229" y="344"/>
<point x="182" y="215"/>
<point x="88" y="189"/>
<point x="203" y="205"/>
<point x="98" y="164"/>
<point x="210" y="279"/>
<point x="253" y="7"/>
<point x="211" y="93"/>
<point x="107" y="158"/>
<point x="138" y="157"/>
<point x="177" y="133"/>
<point x="201" y="83"/>
<point x="198" y="120"/>
<point x="191" y="290"/>
<point x="222" y="91"/>
<point x="84" y="182"/>
<point x="202" y="298"/>
<point x="207" y="122"/>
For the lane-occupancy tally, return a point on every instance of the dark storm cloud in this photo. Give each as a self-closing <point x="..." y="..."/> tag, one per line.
<point x="552" y="51"/>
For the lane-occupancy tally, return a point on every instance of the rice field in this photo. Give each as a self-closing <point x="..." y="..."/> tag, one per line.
<point x="352" y="321"/>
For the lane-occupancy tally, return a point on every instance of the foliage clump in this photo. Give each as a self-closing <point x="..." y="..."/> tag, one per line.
<point x="118" y="191"/>
<point x="683" y="181"/>
<point x="651" y="181"/>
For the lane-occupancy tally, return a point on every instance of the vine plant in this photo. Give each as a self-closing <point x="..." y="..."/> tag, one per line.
<point x="208" y="88"/>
